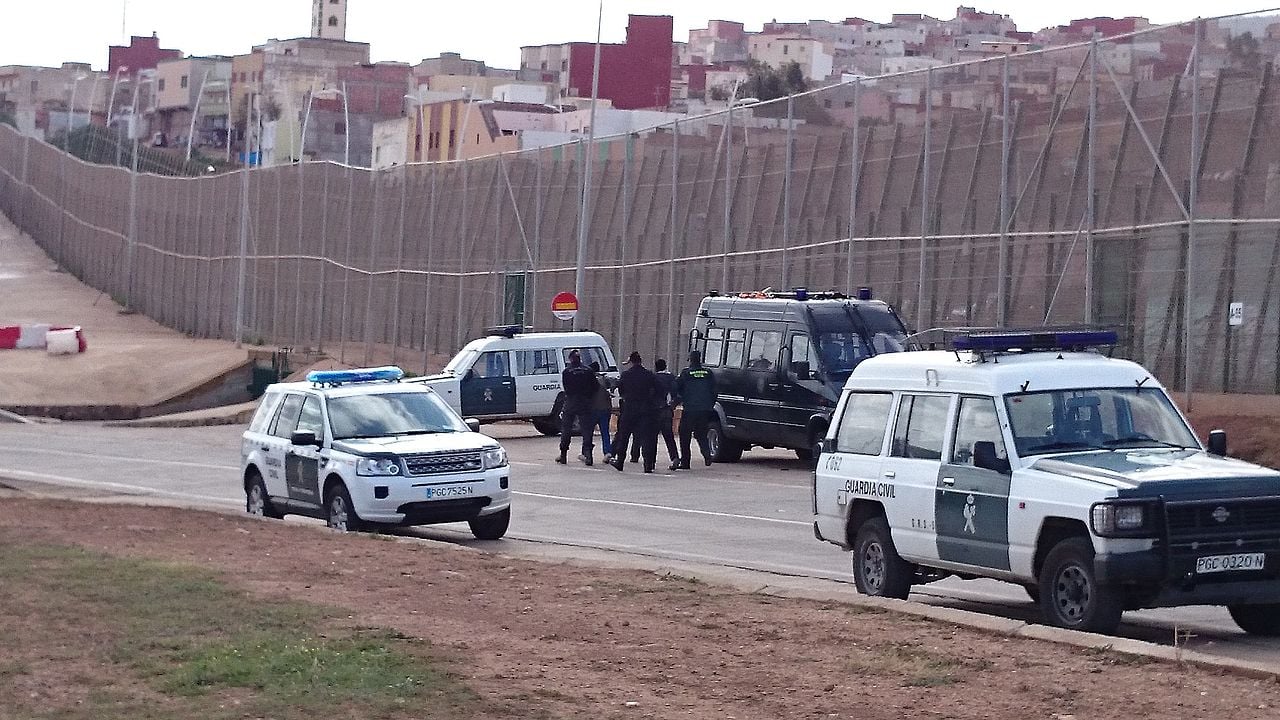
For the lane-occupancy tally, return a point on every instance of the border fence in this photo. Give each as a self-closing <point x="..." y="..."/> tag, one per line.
<point x="1079" y="183"/>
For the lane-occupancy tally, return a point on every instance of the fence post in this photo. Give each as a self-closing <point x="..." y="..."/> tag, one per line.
<point x="786" y="192"/>
<point x="626" y="227"/>
<point x="1002" y="265"/>
<point x="671" y="259"/>
<point x="370" y="277"/>
<point x="1191" y="216"/>
<point x="129" y="249"/>
<point x="1090" y="174"/>
<point x="324" y="259"/>
<point x="26" y="186"/>
<point x="537" y="236"/>
<point x="922" y="320"/>
<point x="431" y="243"/>
<point x="462" y="249"/>
<point x="395" y="296"/>
<point x="854" y="177"/>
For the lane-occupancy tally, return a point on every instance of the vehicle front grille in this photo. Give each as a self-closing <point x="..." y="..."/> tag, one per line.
<point x="1218" y="520"/>
<point x="417" y="513"/>
<point x="441" y="463"/>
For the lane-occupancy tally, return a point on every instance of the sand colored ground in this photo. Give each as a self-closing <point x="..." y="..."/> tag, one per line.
<point x="132" y="360"/>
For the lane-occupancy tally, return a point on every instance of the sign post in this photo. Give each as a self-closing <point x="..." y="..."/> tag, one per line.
<point x="564" y="306"/>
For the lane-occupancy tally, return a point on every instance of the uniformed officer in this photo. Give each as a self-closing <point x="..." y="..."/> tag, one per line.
<point x="696" y="391"/>
<point x="638" y="389"/>
<point x="580" y="385"/>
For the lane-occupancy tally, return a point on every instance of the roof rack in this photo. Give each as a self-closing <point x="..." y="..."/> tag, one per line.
<point x="1064" y="338"/>
<point x="334" y="378"/>
<point x="800" y="293"/>
<point x="506" y="330"/>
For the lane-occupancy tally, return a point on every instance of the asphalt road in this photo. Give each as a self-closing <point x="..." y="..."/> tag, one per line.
<point x="753" y="515"/>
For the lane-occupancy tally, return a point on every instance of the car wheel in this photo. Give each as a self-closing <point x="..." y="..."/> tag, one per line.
<point x="723" y="450"/>
<point x="1070" y="595"/>
<point x="340" y="514"/>
<point x="1033" y="592"/>
<point x="1261" y="620"/>
<point x="877" y="568"/>
<point x="548" y="426"/>
<point x="256" y="500"/>
<point x="491" y="527"/>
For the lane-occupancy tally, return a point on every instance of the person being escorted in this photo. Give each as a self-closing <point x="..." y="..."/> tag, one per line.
<point x="638" y="389"/>
<point x="580" y="385"/>
<point x="602" y="407"/>
<point x="666" y="410"/>
<point x="695" y="391"/>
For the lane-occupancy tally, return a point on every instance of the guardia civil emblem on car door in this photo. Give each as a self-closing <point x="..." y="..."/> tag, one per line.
<point x="488" y="395"/>
<point x="970" y="511"/>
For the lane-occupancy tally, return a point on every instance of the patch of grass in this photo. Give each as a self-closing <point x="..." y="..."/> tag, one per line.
<point x="192" y="640"/>
<point x="914" y="664"/>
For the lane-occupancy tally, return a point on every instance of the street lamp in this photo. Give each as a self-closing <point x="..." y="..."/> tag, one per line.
<point x="71" y="111"/>
<point x="196" y="111"/>
<point x="328" y="93"/>
<point x="111" y="102"/>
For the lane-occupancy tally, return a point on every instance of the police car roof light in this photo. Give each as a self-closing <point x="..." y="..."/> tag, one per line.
<point x="864" y="293"/>
<point x="1031" y="340"/>
<point x="334" y="378"/>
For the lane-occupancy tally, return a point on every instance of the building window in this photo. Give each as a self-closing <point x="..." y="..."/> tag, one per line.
<point x="333" y="21"/>
<point x="544" y="66"/>
<point x="826" y="103"/>
<point x="450" y="138"/>
<point x="339" y="129"/>
<point x="785" y="50"/>
<point x="35" y="86"/>
<point x="160" y="85"/>
<point x="183" y="82"/>
<point x="564" y="65"/>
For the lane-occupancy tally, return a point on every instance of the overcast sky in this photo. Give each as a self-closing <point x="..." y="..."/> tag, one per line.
<point x="48" y="32"/>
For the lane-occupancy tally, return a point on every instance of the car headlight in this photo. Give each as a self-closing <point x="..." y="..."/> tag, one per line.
<point x="378" y="466"/>
<point x="494" y="457"/>
<point x="1122" y="520"/>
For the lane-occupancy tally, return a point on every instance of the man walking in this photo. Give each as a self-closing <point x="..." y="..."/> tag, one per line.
<point x="638" y="389"/>
<point x="603" y="411"/>
<point x="580" y="385"/>
<point x="696" y="392"/>
<point x="666" y="410"/>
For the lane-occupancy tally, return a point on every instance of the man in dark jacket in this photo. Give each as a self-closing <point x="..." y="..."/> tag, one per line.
<point x="696" y="392"/>
<point x="639" y="391"/>
<point x="580" y="385"/>
<point x="665" y="407"/>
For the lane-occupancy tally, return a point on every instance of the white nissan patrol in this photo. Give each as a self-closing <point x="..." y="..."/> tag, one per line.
<point x="359" y="447"/>
<point x="515" y="375"/>
<point x="1029" y="457"/>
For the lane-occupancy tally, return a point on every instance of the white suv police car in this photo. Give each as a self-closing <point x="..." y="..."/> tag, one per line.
<point x="515" y="375"/>
<point x="1027" y="458"/>
<point x="359" y="447"/>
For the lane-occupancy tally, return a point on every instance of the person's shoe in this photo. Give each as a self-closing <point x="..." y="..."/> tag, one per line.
<point x="586" y="460"/>
<point x="635" y="459"/>
<point x="648" y="469"/>
<point x="707" y="459"/>
<point x="608" y="459"/>
<point x="675" y="465"/>
<point x="684" y="465"/>
<point x="617" y="464"/>
<point x="560" y="458"/>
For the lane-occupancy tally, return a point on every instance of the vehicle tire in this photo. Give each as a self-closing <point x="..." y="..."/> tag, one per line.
<point x="549" y="425"/>
<point x="256" y="500"/>
<point x="339" y="513"/>
<point x="723" y="450"/>
<point x="877" y="569"/>
<point x="1033" y="592"/>
<point x="811" y="454"/>
<point x="1261" y="620"/>
<point x="1070" y="596"/>
<point x="491" y="527"/>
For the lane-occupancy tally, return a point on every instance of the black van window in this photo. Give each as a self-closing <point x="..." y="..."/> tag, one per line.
<point x="765" y="345"/>
<point x="735" y="346"/>
<point x="713" y="350"/>
<point x="803" y="351"/>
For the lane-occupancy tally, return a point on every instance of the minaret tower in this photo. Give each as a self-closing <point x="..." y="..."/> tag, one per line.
<point x="329" y="19"/>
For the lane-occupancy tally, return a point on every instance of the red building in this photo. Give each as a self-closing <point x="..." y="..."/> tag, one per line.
<point x="142" y="53"/>
<point x="633" y="75"/>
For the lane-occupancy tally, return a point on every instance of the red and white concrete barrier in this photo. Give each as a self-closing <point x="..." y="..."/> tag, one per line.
<point x="56" y="339"/>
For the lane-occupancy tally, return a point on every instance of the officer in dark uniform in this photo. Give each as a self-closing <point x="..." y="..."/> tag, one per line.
<point x="696" y="392"/>
<point x="580" y="385"/>
<point x="639" y="391"/>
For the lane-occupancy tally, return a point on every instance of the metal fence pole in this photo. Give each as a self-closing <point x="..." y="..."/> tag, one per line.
<point x="671" y="260"/>
<point x="395" y="297"/>
<point x="130" y="245"/>
<point x="1193" y="192"/>
<point x="24" y="221"/>
<point x="346" y="263"/>
<point x="854" y="177"/>
<point x="299" y="251"/>
<point x="626" y="230"/>
<point x="244" y="244"/>
<point x="431" y="243"/>
<point x="462" y="249"/>
<point x="728" y="194"/>
<point x="1002" y="270"/>
<point x="537" y="236"/>
<point x="786" y="192"/>
<point x="370" y="277"/>
<point x="324" y="259"/>
<point x="922" y="321"/>
<point x="1091" y="181"/>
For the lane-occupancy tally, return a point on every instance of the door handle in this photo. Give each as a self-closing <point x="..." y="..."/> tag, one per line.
<point x="890" y="474"/>
<point x="948" y="481"/>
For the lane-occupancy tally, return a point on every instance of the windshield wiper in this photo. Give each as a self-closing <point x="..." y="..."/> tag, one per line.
<point x="418" y="432"/>
<point x="1139" y="437"/>
<point x="1066" y="445"/>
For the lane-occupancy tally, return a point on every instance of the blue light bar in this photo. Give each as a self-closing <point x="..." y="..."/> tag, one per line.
<point x="389" y="373"/>
<point x="1059" y="340"/>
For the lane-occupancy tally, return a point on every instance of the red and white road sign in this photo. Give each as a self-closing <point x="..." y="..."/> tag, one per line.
<point x="564" y="306"/>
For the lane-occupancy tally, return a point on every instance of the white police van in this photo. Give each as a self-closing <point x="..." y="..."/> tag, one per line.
<point x="359" y="447"/>
<point x="515" y="375"/>
<point x="1029" y="457"/>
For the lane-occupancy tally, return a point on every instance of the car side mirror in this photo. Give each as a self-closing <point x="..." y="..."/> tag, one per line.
<point x="1218" y="442"/>
<point x="984" y="456"/>
<point x="304" y="437"/>
<point x="472" y="424"/>
<point x="470" y="374"/>
<point x="801" y="370"/>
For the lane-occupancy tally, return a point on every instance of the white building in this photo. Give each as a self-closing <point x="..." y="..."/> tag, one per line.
<point x="329" y="19"/>
<point x="815" y="61"/>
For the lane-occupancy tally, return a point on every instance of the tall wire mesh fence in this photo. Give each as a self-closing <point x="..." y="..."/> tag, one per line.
<point x="1074" y="184"/>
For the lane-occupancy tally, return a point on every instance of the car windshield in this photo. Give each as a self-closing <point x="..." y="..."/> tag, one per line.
<point x="1095" y="419"/>
<point x="841" y="345"/>
<point x="388" y="414"/>
<point x="461" y="362"/>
